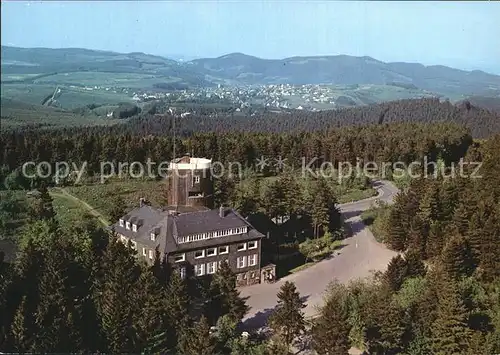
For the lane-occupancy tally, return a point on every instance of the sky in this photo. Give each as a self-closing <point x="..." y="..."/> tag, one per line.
<point x="463" y="35"/>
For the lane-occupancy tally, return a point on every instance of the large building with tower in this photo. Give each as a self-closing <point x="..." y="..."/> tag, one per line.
<point x="190" y="234"/>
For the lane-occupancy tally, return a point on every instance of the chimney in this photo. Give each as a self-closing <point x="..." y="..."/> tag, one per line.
<point x="221" y="211"/>
<point x="142" y="201"/>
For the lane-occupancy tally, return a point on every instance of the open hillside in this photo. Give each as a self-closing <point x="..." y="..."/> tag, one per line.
<point x="82" y="67"/>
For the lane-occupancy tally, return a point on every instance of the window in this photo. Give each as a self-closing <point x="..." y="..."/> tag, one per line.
<point x="242" y="246"/>
<point x="151" y="254"/>
<point x="182" y="272"/>
<point x="199" y="270"/>
<point x="196" y="179"/>
<point x="127" y="225"/>
<point x="153" y="236"/>
<point x="121" y="222"/>
<point x="211" y="267"/>
<point x="134" y="227"/>
<point x="144" y="251"/>
<point x="223" y="261"/>
<point x="241" y="262"/>
<point x="134" y="244"/>
<point x="224" y="250"/>
<point x="252" y="260"/>
<point x="199" y="254"/>
<point x="252" y="245"/>
<point x="180" y="257"/>
<point x="211" y="252"/>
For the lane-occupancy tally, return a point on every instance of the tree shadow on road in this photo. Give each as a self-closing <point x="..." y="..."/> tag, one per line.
<point x="260" y="319"/>
<point x="357" y="227"/>
<point x="351" y="214"/>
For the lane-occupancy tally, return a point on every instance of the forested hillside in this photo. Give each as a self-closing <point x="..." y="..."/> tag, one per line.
<point x="76" y="290"/>
<point x="481" y="122"/>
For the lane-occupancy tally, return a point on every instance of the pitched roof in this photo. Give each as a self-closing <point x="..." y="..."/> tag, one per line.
<point x="168" y="226"/>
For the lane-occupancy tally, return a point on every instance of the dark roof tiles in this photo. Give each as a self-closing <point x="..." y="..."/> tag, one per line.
<point x="167" y="226"/>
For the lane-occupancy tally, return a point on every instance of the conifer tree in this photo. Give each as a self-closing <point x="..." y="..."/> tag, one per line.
<point x="19" y="331"/>
<point x="293" y="195"/>
<point x="475" y="234"/>
<point x="384" y="325"/>
<point x="116" y="297"/>
<point x="198" y="340"/>
<point x="450" y="333"/>
<point x="418" y="237"/>
<point x="330" y="332"/>
<point x="41" y="208"/>
<point x="178" y="305"/>
<point x="489" y="259"/>
<point x="117" y="209"/>
<point x="456" y="257"/>
<point x="225" y="298"/>
<point x="397" y="234"/>
<point x="6" y="274"/>
<point x="287" y="320"/>
<point x="396" y="272"/>
<point x="54" y="333"/>
<point x="429" y="208"/>
<point x="415" y="266"/>
<point x="28" y="272"/>
<point x="435" y="241"/>
<point x="151" y="316"/>
<point x="461" y="218"/>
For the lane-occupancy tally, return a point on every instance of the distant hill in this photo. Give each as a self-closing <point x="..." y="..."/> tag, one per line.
<point x="488" y="103"/>
<point x="29" y="64"/>
<point x="343" y="69"/>
<point x="35" y="63"/>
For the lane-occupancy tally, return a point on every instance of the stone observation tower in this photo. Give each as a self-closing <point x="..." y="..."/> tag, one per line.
<point x="190" y="182"/>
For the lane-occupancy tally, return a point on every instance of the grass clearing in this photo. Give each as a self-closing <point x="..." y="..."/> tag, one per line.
<point x="100" y="196"/>
<point x="104" y="79"/>
<point x="68" y="211"/>
<point x="18" y="114"/>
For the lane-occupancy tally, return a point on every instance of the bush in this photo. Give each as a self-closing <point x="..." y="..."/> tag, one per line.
<point x="126" y="110"/>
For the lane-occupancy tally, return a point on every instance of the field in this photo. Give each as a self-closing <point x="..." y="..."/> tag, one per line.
<point x="28" y="93"/>
<point x="104" y="79"/>
<point x="358" y="95"/>
<point x="17" y="76"/>
<point x="17" y="114"/>
<point x="100" y="196"/>
<point x="68" y="211"/>
<point x="71" y="98"/>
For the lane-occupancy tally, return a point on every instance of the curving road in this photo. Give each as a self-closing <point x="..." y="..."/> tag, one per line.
<point x="360" y="256"/>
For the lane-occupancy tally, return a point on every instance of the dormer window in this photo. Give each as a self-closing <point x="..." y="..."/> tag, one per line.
<point x="121" y="222"/>
<point x="153" y="236"/>
<point x="134" y="227"/>
<point x="127" y="225"/>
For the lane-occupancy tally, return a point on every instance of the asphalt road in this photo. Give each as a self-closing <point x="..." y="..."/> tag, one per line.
<point x="360" y="256"/>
